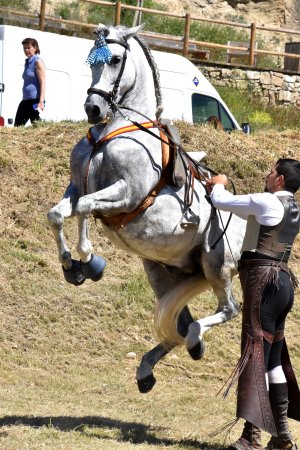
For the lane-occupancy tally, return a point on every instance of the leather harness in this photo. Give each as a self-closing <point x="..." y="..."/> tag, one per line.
<point x="119" y="220"/>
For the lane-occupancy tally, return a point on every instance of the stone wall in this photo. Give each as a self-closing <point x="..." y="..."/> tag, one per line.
<point x="274" y="88"/>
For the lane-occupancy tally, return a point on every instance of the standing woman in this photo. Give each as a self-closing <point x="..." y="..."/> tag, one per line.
<point x="34" y="84"/>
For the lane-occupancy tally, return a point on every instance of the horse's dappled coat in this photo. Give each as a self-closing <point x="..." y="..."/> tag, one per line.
<point x="173" y="239"/>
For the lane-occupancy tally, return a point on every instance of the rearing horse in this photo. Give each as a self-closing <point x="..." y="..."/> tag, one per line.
<point x="121" y="174"/>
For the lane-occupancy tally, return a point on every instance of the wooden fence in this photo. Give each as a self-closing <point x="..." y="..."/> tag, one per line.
<point x="183" y="44"/>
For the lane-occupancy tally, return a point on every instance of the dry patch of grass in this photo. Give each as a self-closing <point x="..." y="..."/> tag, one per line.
<point x="66" y="380"/>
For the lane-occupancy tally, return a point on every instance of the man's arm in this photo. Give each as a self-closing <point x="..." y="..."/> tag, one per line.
<point x="266" y="208"/>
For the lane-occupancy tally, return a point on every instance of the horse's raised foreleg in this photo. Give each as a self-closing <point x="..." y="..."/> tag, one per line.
<point x="56" y="216"/>
<point x="114" y="197"/>
<point x="91" y="265"/>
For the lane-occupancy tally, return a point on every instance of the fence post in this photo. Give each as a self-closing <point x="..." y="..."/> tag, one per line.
<point x="137" y="20"/>
<point x="42" y="15"/>
<point x="252" y="44"/>
<point x="186" y="34"/>
<point x="118" y="13"/>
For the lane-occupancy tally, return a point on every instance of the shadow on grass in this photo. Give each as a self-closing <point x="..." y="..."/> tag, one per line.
<point x="128" y="431"/>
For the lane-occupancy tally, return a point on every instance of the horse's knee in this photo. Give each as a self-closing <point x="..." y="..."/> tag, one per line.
<point x="55" y="218"/>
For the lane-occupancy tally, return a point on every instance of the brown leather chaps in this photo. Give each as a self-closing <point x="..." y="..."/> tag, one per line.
<point x="252" y="396"/>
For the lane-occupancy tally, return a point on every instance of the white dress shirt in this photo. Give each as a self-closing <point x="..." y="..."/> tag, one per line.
<point x="265" y="207"/>
<point x="259" y="209"/>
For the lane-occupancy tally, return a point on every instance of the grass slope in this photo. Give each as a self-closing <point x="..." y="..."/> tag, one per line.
<point x="67" y="381"/>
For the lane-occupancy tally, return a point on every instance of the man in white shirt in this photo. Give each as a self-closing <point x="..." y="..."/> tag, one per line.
<point x="268" y="392"/>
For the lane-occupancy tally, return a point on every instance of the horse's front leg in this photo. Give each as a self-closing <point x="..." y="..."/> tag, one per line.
<point x="111" y="199"/>
<point x="56" y="217"/>
<point x="91" y="265"/>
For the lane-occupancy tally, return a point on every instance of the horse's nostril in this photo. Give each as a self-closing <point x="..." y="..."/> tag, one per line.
<point x="95" y="110"/>
<point x="92" y="110"/>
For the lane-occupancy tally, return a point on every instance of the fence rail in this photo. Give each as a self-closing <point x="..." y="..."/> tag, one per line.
<point x="187" y="44"/>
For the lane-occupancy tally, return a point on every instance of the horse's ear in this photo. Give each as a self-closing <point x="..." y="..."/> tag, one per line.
<point x="128" y="33"/>
<point x="102" y="29"/>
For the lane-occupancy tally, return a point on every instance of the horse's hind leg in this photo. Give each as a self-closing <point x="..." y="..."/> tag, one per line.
<point x="144" y="376"/>
<point x="161" y="282"/>
<point x="226" y="310"/>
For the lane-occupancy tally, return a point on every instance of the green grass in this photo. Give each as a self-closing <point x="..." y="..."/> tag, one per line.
<point x="247" y="107"/>
<point x="67" y="381"/>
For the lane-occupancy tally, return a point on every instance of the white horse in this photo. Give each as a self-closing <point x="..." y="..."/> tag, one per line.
<point x="117" y="172"/>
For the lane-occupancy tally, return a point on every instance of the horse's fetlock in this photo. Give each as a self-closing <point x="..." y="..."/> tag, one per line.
<point x="66" y="260"/>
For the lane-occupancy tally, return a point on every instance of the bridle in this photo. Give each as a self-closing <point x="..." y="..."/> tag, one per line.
<point x="110" y="97"/>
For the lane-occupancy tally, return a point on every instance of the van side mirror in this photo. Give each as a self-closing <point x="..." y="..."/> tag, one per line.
<point x="246" y="128"/>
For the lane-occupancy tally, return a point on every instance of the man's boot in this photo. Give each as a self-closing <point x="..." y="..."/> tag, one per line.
<point x="278" y="394"/>
<point x="250" y="439"/>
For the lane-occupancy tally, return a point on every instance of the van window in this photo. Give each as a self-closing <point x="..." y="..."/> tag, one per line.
<point x="204" y="107"/>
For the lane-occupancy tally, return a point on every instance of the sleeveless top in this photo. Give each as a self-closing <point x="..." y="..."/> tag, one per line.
<point x="31" y="86"/>
<point x="276" y="241"/>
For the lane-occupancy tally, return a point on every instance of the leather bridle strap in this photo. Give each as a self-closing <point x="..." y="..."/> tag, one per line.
<point x="110" y="97"/>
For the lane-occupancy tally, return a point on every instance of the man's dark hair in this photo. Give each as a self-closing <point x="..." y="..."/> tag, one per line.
<point x="290" y="169"/>
<point x="33" y="42"/>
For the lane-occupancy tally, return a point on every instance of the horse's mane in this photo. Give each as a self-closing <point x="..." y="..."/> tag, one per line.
<point x="155" y="72"/>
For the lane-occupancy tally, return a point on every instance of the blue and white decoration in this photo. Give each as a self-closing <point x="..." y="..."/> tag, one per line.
<point x="101" y="54"/>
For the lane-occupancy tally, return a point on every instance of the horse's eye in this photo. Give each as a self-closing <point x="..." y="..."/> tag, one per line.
<point x="115" y="60"/>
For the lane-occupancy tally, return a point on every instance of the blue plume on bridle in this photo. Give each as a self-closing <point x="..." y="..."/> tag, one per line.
<point x="101" y="54"/>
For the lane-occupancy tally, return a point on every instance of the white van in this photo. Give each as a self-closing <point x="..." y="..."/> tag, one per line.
<point x="187" y="94"/>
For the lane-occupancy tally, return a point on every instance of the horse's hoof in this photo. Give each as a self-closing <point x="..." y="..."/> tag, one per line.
<point x="146" y="384"/>
<point x="197" y="351"/>
<point x="93" y="269"/>
<point x="194" y="345"/>
<point x="74" y="275"/>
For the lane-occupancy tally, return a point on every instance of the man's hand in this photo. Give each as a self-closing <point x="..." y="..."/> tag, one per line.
<point x="218" y="179"/>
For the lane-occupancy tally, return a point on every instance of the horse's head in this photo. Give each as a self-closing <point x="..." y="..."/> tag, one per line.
<point x="114" y="71"/>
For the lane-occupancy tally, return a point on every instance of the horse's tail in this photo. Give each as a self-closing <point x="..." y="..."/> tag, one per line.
<point x="169" y="307"/>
